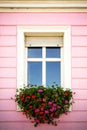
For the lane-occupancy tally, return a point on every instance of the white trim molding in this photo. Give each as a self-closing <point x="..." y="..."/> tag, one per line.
<point x="43" y="6"/>
<point x="24" y="30"/>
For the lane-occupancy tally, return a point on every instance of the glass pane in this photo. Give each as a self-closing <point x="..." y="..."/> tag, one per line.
<point x="53" y="52"/>
<point x="53" y="73"/>
<point x="34" y="52"/>
<point x="35" y="73"/>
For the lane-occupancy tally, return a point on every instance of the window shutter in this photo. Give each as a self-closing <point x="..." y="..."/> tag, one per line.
<point x="31" y="41"/>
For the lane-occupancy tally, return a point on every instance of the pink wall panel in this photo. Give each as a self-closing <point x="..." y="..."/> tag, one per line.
<point x="80" y="105"/>
<point x="8" y="30"/>
<point x="16" y="126"/>
<point x="79" y="41"/>
<point x="43" y="18"/>
<point x="74" y="116"/>
<point x="7" y="40"/>
<point x="7" y="72"/>
<point x="7" y="105"/>
<point x="79" y="83"/>
<point x="79" y="51"/>
<point x="79" y="73"/>
<point x="80" y="94"/>
<point x="7" y="51"/>
<point x="27" y="126"/>
<point x="18" y="116"/>
<point x="8" y="83"/>
<point x="12" y="116"/>
<point x="7" y="93"/>
<point x="8" y="62"/>
<point x="79" y="62"/>
<point x="79" y="30"/>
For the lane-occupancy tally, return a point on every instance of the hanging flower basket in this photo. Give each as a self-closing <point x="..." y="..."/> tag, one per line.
<point x="44" y="104"/>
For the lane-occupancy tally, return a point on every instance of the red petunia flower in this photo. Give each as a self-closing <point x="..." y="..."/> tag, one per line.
<point x="28" y="97"/>
<point x="22" y="98"/>
<point x="44" y="104"/>
<point x="30" y="106"/>
<point x="66" y="93"/>
<point x="40" y="100"/>
<point x="41" y="113"/>
<point x="33" y="96"/>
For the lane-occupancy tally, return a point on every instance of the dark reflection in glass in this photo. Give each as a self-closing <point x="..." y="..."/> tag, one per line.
<point x="52" y="73"/>
<point x="35" y="73"/>
<point x="53" y="52"/>
<point x="34" y="52"/>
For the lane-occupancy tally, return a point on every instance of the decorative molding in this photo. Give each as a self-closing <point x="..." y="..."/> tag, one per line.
<point x="44" y="4"/>
<point x="37" y="6"/>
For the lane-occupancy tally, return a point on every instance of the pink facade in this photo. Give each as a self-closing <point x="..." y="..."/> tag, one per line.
<point x="10" y="119"/>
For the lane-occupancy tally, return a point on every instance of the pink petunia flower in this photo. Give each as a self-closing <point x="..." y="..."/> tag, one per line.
<point x="44" y="99"/>
<point x="46" y="111"/>
<point x="52" y="109"/>
<point x="37" y="110"/>
<point x="49" y="103"/>
<point x="42" y="109"/>
<point x="59" y="107"/>
<point x="66" y="101"/>
<point x="54" y="105"/>
<point x="40" y="90"/>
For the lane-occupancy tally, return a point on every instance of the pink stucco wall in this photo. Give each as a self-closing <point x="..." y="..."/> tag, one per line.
<point x="10" y="119"/>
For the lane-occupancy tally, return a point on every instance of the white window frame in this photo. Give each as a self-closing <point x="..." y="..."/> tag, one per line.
<point x="21" y="51"/>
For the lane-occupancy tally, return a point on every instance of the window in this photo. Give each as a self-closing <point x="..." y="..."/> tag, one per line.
<point x="44" y="65"/>
<point x="44" y="58"/>
<point x="39" y="51"/>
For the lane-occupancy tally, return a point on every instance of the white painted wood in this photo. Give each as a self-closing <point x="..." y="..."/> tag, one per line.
<point x="44" y="41"/>
<point x="44" y="66"/>
<point x="44" y="4"/>
<point x="46" y="59"/>
<point x="20" y="58"/>
<point x="67" y="58"/>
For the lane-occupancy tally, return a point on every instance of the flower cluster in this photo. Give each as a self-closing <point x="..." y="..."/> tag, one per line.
<point x="44" y="104"/>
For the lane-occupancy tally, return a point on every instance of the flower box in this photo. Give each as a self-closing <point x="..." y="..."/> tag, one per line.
<point x="44" y="104"/>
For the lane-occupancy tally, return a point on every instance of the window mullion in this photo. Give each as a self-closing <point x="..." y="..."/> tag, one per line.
<point x="44" y="66"/>
<point x="53" y="59"/>
<point x="34" y="59"/>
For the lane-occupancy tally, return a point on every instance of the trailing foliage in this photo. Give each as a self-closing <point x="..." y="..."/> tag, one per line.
<point x="44" y="104"/>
